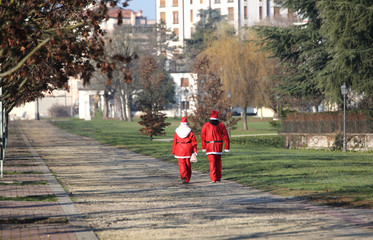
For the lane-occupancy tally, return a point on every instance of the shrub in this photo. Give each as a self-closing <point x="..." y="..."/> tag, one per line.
<point x="57" y="111"/>
<point x="276" y="124"/>
<point x="261" y="141"/>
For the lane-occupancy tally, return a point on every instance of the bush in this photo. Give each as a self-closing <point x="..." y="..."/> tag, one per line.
<point x="59" y="111"/>
<point x="276" y="124"/>
<point x="260" y="141"/>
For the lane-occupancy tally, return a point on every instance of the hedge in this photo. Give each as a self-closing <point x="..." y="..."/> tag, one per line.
<point x="261" y="141"/>
<point x="327" y="122"/>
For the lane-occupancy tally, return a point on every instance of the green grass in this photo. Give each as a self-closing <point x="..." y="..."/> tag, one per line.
<point x="24" y="183"/>
<point x="343" y="179"/>
<point x="22" y="172"/>
<point x="36" y="198"/>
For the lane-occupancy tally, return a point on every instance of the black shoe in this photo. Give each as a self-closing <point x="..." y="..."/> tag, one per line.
<point x="184" y="181"/>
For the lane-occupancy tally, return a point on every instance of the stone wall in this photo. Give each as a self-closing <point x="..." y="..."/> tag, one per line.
<point x="356" y="142"/>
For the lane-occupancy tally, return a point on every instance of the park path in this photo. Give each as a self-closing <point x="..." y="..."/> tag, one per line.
<point x="124" y="195"/>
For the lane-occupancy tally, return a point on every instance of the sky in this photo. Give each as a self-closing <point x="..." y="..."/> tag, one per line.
<point x="147" y="7"/>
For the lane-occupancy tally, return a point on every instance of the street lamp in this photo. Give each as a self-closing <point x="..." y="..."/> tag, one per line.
<point x="344" y="93"/>
<point x="229" y="95"/>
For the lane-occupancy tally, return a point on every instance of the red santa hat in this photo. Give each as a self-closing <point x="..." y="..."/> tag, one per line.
<point x="184" y="120"/>
<point x="214" y="115"/>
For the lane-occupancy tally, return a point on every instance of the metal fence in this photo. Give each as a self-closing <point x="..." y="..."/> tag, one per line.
<point x="3" y="133"/>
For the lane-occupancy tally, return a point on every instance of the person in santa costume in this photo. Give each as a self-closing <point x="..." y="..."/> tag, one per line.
<point x="183" y="146"/>
<point x="212" y="136"/>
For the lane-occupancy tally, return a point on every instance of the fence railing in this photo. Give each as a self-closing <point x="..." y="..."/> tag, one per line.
<point x="3" y="134"/>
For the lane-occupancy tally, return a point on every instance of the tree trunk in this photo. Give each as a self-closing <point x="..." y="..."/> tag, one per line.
<point x="245" y="117"/>
<point x="261" y="113"/>
<point x="105" y="110"/>
<point x="123" y="116"/>
<point x="128" y="103"/>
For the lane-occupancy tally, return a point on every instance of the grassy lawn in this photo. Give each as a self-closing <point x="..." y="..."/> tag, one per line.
<point x="335" y="178"/>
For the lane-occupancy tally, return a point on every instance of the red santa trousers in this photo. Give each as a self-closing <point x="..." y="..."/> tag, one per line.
<point x="215" y="167"/>
<point x="185" y="168"/>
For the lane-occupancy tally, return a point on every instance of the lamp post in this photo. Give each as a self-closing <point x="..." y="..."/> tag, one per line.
<point x="344" y="93"/>
<point x="229" y="95"/>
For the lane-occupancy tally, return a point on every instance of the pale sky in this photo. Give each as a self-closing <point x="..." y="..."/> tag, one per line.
<point x="147" y="7"/>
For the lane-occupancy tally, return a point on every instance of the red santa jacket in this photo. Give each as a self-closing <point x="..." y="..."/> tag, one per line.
<point x="184" y="143"/>
<point x="212" y="137"/>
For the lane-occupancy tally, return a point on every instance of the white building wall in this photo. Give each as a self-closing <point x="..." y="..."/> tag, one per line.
<point x="184" y="7"/>
<point x="183" y="94"/>
<point x="29" y="110"/>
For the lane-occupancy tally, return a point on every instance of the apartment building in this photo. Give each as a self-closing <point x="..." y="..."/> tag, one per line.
<point x="182" y="15"/>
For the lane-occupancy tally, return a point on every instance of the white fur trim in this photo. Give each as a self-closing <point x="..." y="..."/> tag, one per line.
<point x="227" y="150"/>
<point x="184" y="123"/>
<point x="182" y="156"/>
<point x="214" y="118"/>
<point x="217" y="153"/>
<point x="183" y="131"/>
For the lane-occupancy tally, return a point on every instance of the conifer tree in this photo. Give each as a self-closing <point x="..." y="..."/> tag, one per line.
<point x="348" y="28"/>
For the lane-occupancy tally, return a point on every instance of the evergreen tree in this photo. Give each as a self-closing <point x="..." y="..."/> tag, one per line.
<point x="348" y="28"/>
<point x="301" y="49"/>
<point x="332" y="48"/>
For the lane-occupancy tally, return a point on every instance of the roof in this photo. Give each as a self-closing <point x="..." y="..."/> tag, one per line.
<point x="126" y="13"/>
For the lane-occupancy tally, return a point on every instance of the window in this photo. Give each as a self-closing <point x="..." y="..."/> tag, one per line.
<point x="191" y="1"/>
<point x="217" y="1"/>
<point x="175" y="17"/>
<point x="191" y="16"/>
<point x="276" y="12"/>
<point x="176" y="31"/>
<point x="230" y="13"/>
<point x="245" y="12"/>
<point x="175" y="3"/>
<point x="201" y="1"/>
<point x="162" y="3"/>
<point x="163" y="16"/>
<point x="184" y="105"/>
<point x="184" y="82"/>
<point x="260" y="13"/>
<point x="230" y="0"/>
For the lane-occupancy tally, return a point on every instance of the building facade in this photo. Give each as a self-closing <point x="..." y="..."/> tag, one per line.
<point x="182" y="15"/>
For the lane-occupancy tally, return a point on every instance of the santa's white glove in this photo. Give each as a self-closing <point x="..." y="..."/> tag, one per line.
<point x="227" y="150"/>
<point x="203" y="150"/>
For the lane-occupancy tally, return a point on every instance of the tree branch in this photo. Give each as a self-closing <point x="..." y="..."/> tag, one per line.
<point x="20" y="64"/>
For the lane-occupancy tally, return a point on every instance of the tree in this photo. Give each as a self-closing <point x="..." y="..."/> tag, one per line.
<point x="210" y="96"/>
<point x="204" y="28"/>
<point x="119" y="52"/>
<point x="332" y="48"/>
<point x="302" y="51"/>
<point x="42" y="43"/>
<point x="158" y="90"/>
<point x="348" y="28"/>
<point x="243" y="69"/>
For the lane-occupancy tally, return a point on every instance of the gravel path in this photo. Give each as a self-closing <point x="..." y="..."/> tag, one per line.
<point x="125" y="195"/>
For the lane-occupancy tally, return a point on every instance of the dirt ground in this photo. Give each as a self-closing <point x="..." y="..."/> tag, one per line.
<point x="125" y="195"/>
